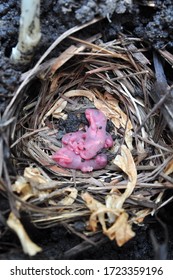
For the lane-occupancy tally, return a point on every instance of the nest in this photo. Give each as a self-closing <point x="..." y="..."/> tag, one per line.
<point x="116" y="78"/>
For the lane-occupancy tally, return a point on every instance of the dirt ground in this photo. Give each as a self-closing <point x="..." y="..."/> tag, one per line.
<point x="154" y="24"/>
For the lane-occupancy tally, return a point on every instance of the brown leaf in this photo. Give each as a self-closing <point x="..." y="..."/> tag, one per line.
<point x="34" y="176"/>
<point x="140" y="216"/>
<point x="95" y="206"/>
<point x="70" y="196"/>
<point x="113" y="106"/>
<point x="23" y="188"/>
<point x="126" y="163"/>
<point x="28" y="246"/>
<point x="120" y="231"/>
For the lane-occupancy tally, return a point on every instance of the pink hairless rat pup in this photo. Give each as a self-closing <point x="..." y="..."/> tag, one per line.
<point x="74" y="140"/>
<point x="67" y="158"/>
<point x="96" y="137"/>
<point x="80" y="149"/>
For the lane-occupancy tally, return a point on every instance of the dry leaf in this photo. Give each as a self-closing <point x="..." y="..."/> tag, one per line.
<point x="70" y="196"/>
<point x="111" y="203"/>
<point x="140" y="216"/>
<point x="39" y="185"/>
<point x="28" y="246"/>
<point x="36" y="180"/>
<point x="99" y="216"/>
<point x="22" y="187"/>
<point x="113" y="110"/>
<point x="126" y="163"/>
<point x="120" y="231"/>
<point x="110" y="107"/>
<point x="95" y="206"/>
<point x="35" y="184"/>
<point x="79" y="92"/>
<point x="34" y="176"/>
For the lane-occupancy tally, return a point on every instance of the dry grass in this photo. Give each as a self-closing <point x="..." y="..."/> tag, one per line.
<point x="114" y="77"/>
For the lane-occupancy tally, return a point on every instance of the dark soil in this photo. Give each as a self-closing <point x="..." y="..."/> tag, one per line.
<point x="155" y="26"/>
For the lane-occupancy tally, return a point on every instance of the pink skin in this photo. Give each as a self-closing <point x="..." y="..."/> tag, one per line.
<point x="67" y="158"/>
<point x="108" y="141"/>
<point x="96" y="137"/>
<point x="80" y="149"/>
<point x="74" y="140"/>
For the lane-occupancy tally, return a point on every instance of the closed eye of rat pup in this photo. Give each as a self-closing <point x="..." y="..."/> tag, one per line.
<point x="80" y="150"/>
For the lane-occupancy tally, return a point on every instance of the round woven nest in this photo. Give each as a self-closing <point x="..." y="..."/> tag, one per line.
<point x="115" y="78"/>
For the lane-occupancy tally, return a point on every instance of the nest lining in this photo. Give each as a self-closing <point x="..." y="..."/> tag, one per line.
<point x="115" y="78"/>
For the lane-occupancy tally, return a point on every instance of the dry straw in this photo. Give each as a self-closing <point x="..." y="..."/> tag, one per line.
<point x="116" y="78"/>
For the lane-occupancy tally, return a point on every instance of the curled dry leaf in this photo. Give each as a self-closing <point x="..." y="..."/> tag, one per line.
<point x="126" y="163"/>
<point x="70" y="196"/>
<point x="34" y="176"/>
<point x="120" y="230"/>
<point x="26" y="188"/>
<point x="110" y="107"/>
<point x="94" y="206"/>
<point x="140" y="216"/>
<point x="111" y="202"/>
<point x="128" y="139"/>
<point x="29" y="247"/>
<point x="23" y="188"/>
<point x="36" y="180"/>
<point x="98" y="211"/>
<point x="35" y="184"/>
